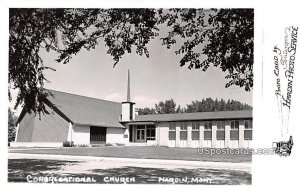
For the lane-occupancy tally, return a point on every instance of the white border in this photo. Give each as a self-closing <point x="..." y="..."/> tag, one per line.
<point x="261" y="10"/>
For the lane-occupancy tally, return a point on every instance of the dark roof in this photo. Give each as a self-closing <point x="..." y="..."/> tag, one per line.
<point x="83" y="110"/>
<point x="196" y="116"/>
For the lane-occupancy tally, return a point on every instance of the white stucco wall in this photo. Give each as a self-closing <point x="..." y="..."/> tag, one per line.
<point x="162" y="134"/>
<point x="81" y="134"/>
<point x="241" y="134"/>
<point x="116" y="135"/>
<point x="126" y="112"/>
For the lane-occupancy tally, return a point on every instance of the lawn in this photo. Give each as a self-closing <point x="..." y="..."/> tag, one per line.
<point x="20" y="169"/>
<point x="140" y="153"/>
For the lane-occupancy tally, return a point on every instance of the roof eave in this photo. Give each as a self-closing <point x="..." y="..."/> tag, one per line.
<point x="97" y="125"/>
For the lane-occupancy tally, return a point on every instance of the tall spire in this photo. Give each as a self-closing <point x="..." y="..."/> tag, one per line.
<point x="128" y="87"/>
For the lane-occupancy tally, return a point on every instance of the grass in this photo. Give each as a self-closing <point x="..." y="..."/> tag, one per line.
<point x="18" y="169"/>
<point x="142" y="153"/>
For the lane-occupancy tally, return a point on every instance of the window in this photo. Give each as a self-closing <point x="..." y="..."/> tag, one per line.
<point x="207" y="130"/>
<point x="131" y="111"/>
<point x="150" y="133"/>
<point x="183" y="130"/>
<point x="195" y="130"/>
<point x="195" y="125"/>
<point x="172" y="131"/>
<point x="248" y="130"/>
<point x="234" y="130"/>
<point x="140" y="127"/>
<point x="221" y="130"/>
<point x="248" y="124"/>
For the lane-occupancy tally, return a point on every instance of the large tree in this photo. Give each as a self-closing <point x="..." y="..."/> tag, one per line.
<point x="168" y="106"/>
<point x="11" y="125"/>
<point x="146" y="111"/>
<point x="221" y="38"/>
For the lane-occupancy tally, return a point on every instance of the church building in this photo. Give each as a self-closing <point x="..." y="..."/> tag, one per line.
<point x="86" y="121"/>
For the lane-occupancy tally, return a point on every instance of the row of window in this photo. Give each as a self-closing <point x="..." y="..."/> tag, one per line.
<point x="208" y="125"/>
<point x="220" y="135"/>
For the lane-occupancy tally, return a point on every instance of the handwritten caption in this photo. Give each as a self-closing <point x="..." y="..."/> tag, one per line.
<point x="284" y="63"/>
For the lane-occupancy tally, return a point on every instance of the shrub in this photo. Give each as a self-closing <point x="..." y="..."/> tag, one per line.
<point x="82" y="145"/>
<point x="68" y="144"/>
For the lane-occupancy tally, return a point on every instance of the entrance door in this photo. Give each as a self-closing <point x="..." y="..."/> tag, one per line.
<point x="97" y="135"/>
<point x="140" y="135"/>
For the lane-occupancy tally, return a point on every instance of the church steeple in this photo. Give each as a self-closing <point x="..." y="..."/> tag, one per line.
<point x="128" y="87"/>
<point x="128" y="110"/>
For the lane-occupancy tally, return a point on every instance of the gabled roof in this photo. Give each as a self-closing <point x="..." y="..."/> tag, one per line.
<point x="83" y="110"/>
<point x="245" y="114"/>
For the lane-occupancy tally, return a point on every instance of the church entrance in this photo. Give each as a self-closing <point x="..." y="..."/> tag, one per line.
<point x="97" y="135"/>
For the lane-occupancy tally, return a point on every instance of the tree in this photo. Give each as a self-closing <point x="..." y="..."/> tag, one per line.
<point x="206" y="105"/>
<point x="169" y="106"/>
<point x="146" y="111"/>
<point x="11" y="125"/>
<point x="163" y="107"/>
<point x="223" y="105"/>
<point x="222" y="38"/>
<point x="179" y="109"/>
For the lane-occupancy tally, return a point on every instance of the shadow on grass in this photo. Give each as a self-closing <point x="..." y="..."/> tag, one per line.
<point x="151" y="175"/>
<point x="18" y="169"/>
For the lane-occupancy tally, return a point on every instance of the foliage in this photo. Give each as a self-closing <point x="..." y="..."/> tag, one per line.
<point x="222" y="38"/>
<point x="163" y="107"/>
<point x="81" y="145"/>
<point x="205" y="105"/>
<point x="68" y="144"/>
<point x="208" y="104"/>
<point x="146" y="111"/>
<point x="169" y="106"/>
<point x="12" y="119"/>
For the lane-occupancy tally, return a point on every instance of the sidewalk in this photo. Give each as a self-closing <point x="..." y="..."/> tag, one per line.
<point x="109" y="162"/>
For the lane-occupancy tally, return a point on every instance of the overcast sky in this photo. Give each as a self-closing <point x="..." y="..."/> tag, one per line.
<point x="153" y="79"/>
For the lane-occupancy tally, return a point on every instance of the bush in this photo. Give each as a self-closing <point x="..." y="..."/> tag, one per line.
<point x="82" y="145"/>
<point x="68" y="144"/>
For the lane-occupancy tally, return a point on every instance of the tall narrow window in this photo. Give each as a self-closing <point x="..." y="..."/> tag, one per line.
<point x="195" y="130"/>
<point x="207" y="130"/>
<point x="131" y="111"/>
<point x="183" y="130"/>
<point x="221" y="130"/>
<point x="234" y="130"/>
<point x="248" y="130"/>
<point x="150" y="135"/>
<point x="172" y="131"/>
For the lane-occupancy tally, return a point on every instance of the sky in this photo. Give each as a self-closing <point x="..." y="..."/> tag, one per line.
<point x="157" y="78"/>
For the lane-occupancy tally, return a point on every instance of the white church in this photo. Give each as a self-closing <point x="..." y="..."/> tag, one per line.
<point x="86" y="121"/>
